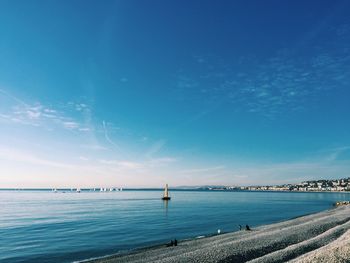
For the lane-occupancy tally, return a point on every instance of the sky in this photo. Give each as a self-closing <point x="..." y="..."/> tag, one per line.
<point x="142" y="93"/>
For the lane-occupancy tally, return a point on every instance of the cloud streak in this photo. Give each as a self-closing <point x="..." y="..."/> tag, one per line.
<point x="108" y="139"/>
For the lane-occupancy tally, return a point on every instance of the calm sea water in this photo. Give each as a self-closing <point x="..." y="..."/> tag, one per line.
<point x="42" y="226"/>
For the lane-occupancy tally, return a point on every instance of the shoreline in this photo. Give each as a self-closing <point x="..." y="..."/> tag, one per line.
<point x="290" y="240"/>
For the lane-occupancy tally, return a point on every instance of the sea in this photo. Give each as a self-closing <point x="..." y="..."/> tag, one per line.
<point x="44" y="226"/>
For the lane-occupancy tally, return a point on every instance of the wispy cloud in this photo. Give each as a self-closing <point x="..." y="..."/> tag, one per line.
<point x="30" y="158"/>
<point x="162" y="161"/>
<point x="83" y="158"/>
<point x="95" y="147"/>
<point x="130" y="165"/>
<point x="203" y="170"/>
<point x="139" y="165"/>
<point x="108" y="139"/>
<point x="122" y="164"/>
<point x="40" y="115"/>
<point x="285" y="82"/>
<point x="81" y="106"/>
<point x="70" y="125"/>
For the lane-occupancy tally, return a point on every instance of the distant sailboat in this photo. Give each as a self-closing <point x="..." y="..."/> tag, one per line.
<point x="166" y="193"/>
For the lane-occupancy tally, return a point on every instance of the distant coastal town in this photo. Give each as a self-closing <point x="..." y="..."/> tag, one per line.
<point x="334" y="185"/>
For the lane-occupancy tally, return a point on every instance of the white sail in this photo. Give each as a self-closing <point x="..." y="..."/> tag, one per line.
<point x="166" y="194"/>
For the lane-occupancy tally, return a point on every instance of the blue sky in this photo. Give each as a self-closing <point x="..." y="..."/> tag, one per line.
<point x="142" y="93"/>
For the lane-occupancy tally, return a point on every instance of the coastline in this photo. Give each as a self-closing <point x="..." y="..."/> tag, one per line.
<point x="323" y="235"/>
<point x="288" y="191"/>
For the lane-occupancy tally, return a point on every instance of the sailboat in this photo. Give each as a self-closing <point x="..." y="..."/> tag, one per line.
<point x="166" y="193"/>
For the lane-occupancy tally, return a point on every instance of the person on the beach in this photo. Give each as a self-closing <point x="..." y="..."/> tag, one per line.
<point x="175" y="242"/>
<point x="247" y="228"/>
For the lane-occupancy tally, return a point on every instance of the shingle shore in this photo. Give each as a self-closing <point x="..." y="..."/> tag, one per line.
<point x="293" y="240"/>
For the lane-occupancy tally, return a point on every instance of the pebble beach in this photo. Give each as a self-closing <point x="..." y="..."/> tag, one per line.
<point x="320" y="237"/>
